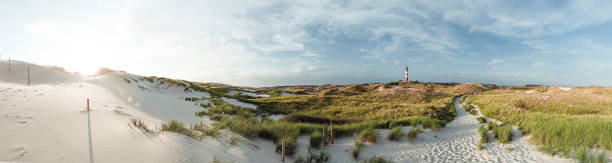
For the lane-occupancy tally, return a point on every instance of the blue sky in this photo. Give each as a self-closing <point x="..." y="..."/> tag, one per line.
<point x="264" y="43"/>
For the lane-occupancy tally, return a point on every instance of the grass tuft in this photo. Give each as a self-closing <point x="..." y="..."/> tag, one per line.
<point x="139" y="124"/>
<point x="481" y="120"/>
<point x="357" y="149"/>
<point x="370" y="135"/>
<point x="396" y="134"/>
<point x="376" y="159"/>
<point x="412" y="134"/>
<point x="484" y="136"/>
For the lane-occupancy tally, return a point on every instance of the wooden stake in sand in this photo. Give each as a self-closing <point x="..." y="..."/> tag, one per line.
<point x="331" y="132"/>
<point x="323" y="142"/>
<point x="87" y="104"/>
<point x="9" y="63"/>
<point x="28" y="75"/>
<point x="283" y="150"/>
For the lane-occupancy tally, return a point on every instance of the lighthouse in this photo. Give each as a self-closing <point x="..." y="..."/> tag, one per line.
<point x="406" y="74"/>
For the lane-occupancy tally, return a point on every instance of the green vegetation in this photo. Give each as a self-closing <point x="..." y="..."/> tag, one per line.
<point x="178" y="127"/>
<point x="412" y="134"/>
<point x="561" y="121"/>
<point x="484" y="136"/>
<point x="234" y="140"/>
<point x="583" y="155"/>
<point x="206" y="130"/>
<point x="365" y="102"/>
<point x="316" y="139"/>
<point x="376" y="159"/>
<point x="139" y="124"/>
<point x="225" y="108"/>
<point x="370" y="135"/>
<point x="357" y="149"/>
<point x="503" y="133"/>
<point x="481" y="120"/>
<point x="396" y="134"/>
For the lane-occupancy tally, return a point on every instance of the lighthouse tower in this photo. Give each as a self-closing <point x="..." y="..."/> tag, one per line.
<point x="406" y="74"/>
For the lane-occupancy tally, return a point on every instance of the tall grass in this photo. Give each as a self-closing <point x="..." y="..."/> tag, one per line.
<point x="316" y="139"/>
<point x="413" y="133"/>
<point x="484" y="136"/>
<point x="357" y="149"/>
<point x="369" y="135"/>
<point x="178" y="127"/>
<point x="561" y="122"/>
<point x="503" y="133"/>
<point x="396" y="134"/>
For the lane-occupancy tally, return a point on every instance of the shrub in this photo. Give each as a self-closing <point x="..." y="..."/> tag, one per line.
<point x="395" y="134"/>
<point x="481" y="120"/>
<point x="369" y="135"/>
<point x="357" y="149"/>
<point x="316" y="139"/>
<point x="412" y="134"/>
<point x="376" y="159"/>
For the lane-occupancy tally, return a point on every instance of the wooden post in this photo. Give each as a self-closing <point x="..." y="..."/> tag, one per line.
<point x="9" y="64"/>
<point x="283" y="150"/>
<point x="28" y="75"/>
<point x="323" y="145"/>
<point x="87" y="104"/>
<point x="331" y="132"/>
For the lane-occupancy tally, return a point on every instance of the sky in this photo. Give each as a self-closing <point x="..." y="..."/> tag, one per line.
<point x="279" y="42"/>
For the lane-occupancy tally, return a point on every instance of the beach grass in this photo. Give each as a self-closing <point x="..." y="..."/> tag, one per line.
<point x="557" y="120"/>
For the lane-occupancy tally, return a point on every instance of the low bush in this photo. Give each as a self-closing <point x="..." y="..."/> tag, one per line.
<point x="396" y="134"/>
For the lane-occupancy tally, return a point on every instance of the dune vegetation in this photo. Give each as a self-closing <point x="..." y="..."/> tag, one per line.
<point x="353" y="109"/>
<point x="560" y="120"/>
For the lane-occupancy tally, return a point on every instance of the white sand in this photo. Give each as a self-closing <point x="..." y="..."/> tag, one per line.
<point x="47" y="121"/>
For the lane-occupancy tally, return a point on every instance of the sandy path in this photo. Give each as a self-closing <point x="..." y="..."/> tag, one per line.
<point x="457" y="142"/>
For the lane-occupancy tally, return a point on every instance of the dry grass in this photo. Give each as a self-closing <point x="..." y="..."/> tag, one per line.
<point x="559" y="120"/>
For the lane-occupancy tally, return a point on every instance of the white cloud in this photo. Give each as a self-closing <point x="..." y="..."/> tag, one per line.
<point x="495" y="61"/>
<point x="539" y="64"/>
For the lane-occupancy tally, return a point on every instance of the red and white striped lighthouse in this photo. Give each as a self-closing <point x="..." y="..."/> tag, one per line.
<point x="406" y="74"/>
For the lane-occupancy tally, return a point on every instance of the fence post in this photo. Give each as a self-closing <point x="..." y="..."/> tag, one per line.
<point x="331" y="132"/>
<point x="28" y="75"/>
<point x="87" y="104"/>
<point x="283" y="150"/>
<point x="323" y="145"/>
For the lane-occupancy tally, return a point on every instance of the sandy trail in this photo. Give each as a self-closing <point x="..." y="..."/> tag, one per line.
<point x="457" y="142"/>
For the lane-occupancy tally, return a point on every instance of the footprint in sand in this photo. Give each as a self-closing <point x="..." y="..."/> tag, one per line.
<point x="20" y="151"/>
<point x="118" y="107"/>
